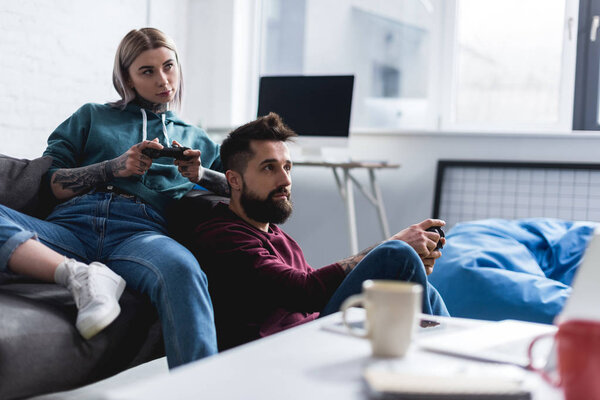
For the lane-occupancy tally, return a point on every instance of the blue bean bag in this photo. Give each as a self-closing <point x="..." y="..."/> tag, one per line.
<point x="510" y="269"/>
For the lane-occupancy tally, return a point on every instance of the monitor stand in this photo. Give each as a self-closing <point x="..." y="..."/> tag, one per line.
<point x="320" y="150"/>
<point x="312" y="153"/>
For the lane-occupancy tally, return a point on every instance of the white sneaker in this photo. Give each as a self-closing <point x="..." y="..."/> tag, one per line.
<point x="96" y="290"/>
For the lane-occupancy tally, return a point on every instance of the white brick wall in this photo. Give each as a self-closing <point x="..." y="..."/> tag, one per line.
<point x="56" y="55"/>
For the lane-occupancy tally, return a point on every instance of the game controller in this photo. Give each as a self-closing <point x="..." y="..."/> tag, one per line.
<point x="439" y="231"/>
<point x="173" y="152"/>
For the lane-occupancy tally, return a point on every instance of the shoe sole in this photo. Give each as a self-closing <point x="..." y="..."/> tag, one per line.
<point x="90" y="328"/>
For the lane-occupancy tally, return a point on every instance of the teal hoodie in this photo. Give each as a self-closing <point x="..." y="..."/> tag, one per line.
<point x="99" y="132"/>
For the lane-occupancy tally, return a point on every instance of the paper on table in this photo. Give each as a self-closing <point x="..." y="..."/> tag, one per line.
<point x="448" y="382"/>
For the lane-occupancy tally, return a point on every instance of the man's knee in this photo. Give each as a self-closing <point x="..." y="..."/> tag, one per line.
<point x="396" y="254"/>
<point x="397" y="250"/>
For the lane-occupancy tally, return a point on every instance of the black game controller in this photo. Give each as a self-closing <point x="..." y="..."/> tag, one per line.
<point x="439" y="231"/>
<point x="173" y="152"/>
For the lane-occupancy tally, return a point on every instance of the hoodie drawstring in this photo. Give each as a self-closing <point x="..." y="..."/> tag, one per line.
<point x="145" y="127"/>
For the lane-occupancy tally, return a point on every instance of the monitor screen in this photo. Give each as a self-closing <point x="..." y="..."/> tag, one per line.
<point x="310" y="105"/>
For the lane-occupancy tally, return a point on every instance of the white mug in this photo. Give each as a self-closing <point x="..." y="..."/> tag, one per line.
<point x="392" y="311"/>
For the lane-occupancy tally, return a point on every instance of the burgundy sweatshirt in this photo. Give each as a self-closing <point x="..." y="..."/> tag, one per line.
<point x="259" y="282"/>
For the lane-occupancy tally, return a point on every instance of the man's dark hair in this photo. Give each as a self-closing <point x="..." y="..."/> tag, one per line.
<point x="235" y="149"/>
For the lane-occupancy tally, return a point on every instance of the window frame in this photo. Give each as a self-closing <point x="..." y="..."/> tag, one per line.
<point x="585" y="105"/>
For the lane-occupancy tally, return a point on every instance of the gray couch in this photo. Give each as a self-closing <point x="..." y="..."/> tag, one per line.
<point x="40" y="349"/>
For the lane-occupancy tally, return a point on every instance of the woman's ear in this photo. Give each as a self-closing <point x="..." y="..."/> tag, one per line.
<point x="234" y="179"/>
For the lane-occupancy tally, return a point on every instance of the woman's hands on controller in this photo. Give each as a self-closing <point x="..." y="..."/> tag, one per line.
<point x="133" y="161"/>
<point x="192" y="167"/>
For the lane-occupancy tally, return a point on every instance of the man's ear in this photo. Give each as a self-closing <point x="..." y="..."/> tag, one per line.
<point x="234" y="179"/>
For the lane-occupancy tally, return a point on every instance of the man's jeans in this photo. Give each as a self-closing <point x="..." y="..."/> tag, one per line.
<point x="129" y="237"/>
<point x="391" y="260"/>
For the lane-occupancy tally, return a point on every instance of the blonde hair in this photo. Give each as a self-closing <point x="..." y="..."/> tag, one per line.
<point x="132" y="45"/>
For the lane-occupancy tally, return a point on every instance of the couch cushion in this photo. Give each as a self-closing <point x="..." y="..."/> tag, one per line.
<point x="20" y="181"/>
<point x="41" y="351"/>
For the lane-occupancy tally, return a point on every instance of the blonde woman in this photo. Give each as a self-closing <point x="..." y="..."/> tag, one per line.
<point x="109" y="227"/>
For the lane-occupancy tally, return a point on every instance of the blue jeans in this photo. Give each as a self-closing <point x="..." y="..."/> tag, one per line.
<point x="130" y="238"/>
<point x="392" y="260"/>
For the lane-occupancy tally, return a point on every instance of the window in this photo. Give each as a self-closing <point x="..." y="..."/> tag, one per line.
<point x="586" y="106"/>
<point x="508" y="63"/>
<point x="388" y="49"/>
<point x="433" y="64"/>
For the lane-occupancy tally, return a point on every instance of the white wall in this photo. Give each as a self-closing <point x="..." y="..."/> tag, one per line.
<point x="208" y="68"/>
<point x="58" y="55"/>
<point x="221" y="67"/>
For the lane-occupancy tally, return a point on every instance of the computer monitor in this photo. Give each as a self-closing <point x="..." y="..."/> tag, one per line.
<point x="317" y="108"/>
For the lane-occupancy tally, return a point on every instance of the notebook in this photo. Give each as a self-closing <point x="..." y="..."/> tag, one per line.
<point x="508" y="341"/>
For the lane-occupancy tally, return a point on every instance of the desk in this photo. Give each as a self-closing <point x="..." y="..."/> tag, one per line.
<point x="345" y="188"/>
<point x="305" y="362"/>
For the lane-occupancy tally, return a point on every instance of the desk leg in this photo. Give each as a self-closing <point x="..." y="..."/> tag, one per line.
<point x="385" y="229"/>
<point x="350" y="212"/>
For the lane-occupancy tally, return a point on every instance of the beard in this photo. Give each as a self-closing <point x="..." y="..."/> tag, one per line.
<point x="266" y="210"/>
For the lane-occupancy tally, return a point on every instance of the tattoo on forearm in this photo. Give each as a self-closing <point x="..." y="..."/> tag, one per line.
<point x="111" y="167"/>
<point x="349" y="263"/>
<point x="80" y="179"/>
<point x="215" y="182"/>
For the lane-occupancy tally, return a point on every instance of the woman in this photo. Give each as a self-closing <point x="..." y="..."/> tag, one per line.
<point x="113" y="198"/>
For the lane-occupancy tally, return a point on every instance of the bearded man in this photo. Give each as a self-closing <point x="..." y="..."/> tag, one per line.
<point x="259" y="280"/>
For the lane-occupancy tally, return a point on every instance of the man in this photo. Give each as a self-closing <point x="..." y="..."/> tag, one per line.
<point x="258" y="278"/>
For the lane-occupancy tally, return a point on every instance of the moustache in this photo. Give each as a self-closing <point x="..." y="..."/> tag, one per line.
<point x="280" y="190"/>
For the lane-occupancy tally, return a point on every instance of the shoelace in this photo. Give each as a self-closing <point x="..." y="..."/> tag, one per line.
<point x="80" y="283"/>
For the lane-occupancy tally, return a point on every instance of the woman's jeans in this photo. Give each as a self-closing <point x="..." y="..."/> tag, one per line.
<point x="130" y="238"/>
<point x="391" y="260"/>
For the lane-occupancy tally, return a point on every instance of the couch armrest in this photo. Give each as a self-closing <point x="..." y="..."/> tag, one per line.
<point x="41" y="350"/>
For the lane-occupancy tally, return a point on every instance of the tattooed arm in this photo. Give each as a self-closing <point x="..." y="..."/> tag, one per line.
<point x="215" y="182"/>
<point x="69" y="182"/>
<point x="349" y="263"/>
<point x="193" y="170"/>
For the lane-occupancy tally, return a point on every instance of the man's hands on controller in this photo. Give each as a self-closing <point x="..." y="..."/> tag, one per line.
<point x="439" y="231"/>
<point x="440" y="241"/>
<point x="424" y="241"/>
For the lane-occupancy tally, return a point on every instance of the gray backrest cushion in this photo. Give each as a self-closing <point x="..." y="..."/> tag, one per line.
<point x="20" y="181"/>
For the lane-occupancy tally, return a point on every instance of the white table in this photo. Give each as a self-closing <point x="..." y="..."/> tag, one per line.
<point x="306" y="362"/>
<point x="345" y="184"/>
